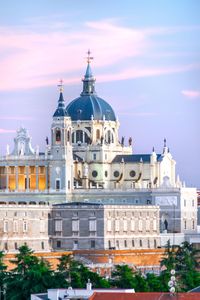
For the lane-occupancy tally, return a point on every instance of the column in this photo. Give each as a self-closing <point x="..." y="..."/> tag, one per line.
<point x="7" y="178"/>
<point x="46" y="177"/>
<point x="27" y="178"/>
<point x="16" y="178"/>
<point x="37" y="177"/>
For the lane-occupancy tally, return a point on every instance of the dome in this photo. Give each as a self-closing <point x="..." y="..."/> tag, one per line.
<point x="89" y="106"/>
<point x="86" y="106"/>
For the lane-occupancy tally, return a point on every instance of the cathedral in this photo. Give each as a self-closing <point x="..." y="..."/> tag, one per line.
<point x="85" y="168"/>
<point x="85" y="152"/>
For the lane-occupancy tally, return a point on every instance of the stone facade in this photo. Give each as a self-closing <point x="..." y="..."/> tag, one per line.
<point x="96" y="226"/>
<point x="21" y="223"/>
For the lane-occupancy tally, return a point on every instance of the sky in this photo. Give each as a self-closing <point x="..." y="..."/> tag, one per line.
<point x="146" y="64"/>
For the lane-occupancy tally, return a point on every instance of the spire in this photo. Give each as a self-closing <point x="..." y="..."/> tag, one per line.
<point x="60" y="111"/>
<point x="88" y="80"/>
<point x="165" y="148"/>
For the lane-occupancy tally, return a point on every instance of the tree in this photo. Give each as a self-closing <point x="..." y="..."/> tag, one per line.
<point x="31" y="275"/>
<point x="123" y="277"/>
<point x="3" y="274"/>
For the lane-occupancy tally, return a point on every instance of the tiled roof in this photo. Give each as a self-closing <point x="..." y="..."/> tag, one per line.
<point x="134" y="158"/>
<point x="144" y="296"/>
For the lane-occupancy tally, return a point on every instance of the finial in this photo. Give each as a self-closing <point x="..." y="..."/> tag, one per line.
<point x="165" y="142"/>
<point x="61" y="86"/>
<point x="89" y="58"/>
<point x="153" y="150"/>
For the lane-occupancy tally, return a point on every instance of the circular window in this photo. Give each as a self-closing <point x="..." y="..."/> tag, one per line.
<point x="132" y="173"/>
<point x="116" y="173"/>
<point x="94" y="173"/>
<point x="106" y="173"/>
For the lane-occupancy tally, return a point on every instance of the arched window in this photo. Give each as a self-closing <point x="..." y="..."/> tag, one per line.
<point x="109" y="137"/>
<point x="58" y="135"/>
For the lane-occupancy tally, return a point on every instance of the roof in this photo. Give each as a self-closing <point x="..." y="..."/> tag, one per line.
<point x="144" y="296"/>
<point x="77" y="158"/>
<point x="77" y="204"/>
<point x="60" y="111"/>
<point x="86" y="106"/>
<point x="197" y="289"/>
<point x="130" y="158"/>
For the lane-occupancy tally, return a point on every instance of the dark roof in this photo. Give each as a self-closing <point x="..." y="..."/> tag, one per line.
<point x="77" y="204"/>
<point x="144" y="296"/>
<point x="85" y="106"/>
<point x="197" y="289"/>
<point x="76" y="157"/>
<point x="60" y="111"/>
<point x="130" y="158"/>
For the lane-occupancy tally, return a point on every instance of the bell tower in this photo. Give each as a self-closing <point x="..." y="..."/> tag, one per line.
<point x="61" y="165"/>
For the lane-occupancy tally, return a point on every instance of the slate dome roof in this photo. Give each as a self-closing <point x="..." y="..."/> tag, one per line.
<point x="89" y="105"/>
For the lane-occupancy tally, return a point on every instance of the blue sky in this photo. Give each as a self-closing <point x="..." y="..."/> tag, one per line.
<point x="146" y="62"/>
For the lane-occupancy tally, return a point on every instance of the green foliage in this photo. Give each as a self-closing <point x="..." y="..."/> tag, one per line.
<point x="34" y="275"/>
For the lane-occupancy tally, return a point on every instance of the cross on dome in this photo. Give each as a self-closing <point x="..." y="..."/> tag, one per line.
<point x="89" y="57"/>
<point x="61" y="86"/>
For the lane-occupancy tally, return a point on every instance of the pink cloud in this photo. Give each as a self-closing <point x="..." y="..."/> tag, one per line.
<point x="191" y="94"/>
<point x="2" y="130"/>
<point x="34" y="58"/>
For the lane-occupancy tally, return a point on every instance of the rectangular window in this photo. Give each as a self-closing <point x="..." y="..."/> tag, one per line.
<point x="92" y="225"/>
<point x="147" y="225"/>
<point x="92" y="244"/>
<point x="185" y="224"/>
<point x="42" y="245"/>
<point x="6" y="246"/>
<point x="117" y="244"/>
<point x="75" y="246"/>
<point x="15" y="226"/>
<point x="57" y="184"/>
<point x="154" y="225"/>
<point x="75" y="225"/>
<point x="58" y="244"/>
<point x="25" y="226"/>
<point x="140" y="225"/>
<point x="116" y="225"/>
<point x="16" y="246"/>
<point x="58" y="225"/>
<point x="132" y="225"/>
<point x="42" y="226"/>
<point x="5" y="226"/>
<point x="193" y="224"/>
<point x="125" y="243"/>
<point x="125" y="224"/>
<point x="133" y="243"/>
<point x="94" y="156"/>
<point x="109" y="225"/>
<point x="68" y="184"/>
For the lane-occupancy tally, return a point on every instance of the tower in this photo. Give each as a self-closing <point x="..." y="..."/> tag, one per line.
<point x="61" y="163"/>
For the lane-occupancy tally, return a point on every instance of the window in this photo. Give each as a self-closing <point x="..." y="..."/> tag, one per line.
<point x="132" y="225"/>
<point x="140" y="225"/>
<point x="94" y="173"/>
<point x="75" y="225"/>
<point x="98" y="134"/>
<point x="16" y="246"/>
<point x="133" y="243"/>
<point x="184" y="202"/>
<point x="57" y="184"/>
<point x="92" y="244"/>
<point x="192" y="202"/>
<point x="155" y="244"/>
<point x="58" y="225"/>
<point x="193" y="224"/>
<point x="58" y="135"/>
<point x="42" y="245"/>
<point x="117" y="225"/>
<point x="140" y="243"/>
<point x="132" y="173"/>
<point x="58" y="244"/>
<point x="68" y="183"/>
<point x="109" y="244"/>
<point x="116" y="174"/>
<point x="42" y="226"/>
<point x="109" y="225"/>
<point x="92" y="225"/>
<point x="106" y="173"/>
<point x="117" y="244"/>
<point x="125" y="224"/>
<point x="185" y="224"/>
<point x="25" y="226"/>
<point x="148" y="243"/>
<point x="154" y="225"/>
<point x="6" y="246"/>
<point x="125" y="243"/>
<point x="15" y="226"/>
<point x="94" y="156"/>
<point x="147" y="225"/>
<point x="5" y="226"/>
<point x="75" y="245"/>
